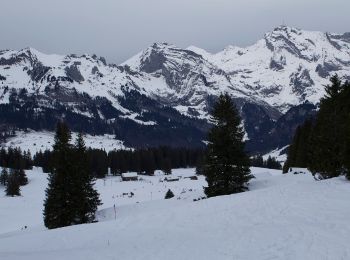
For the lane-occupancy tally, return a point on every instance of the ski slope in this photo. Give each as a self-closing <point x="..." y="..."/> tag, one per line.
<point x="281" y="217"/>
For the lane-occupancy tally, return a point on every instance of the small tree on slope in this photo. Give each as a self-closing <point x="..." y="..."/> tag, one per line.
<point x="12" y="185"/>
<point x="169" y="194"/>
<point x="226" y="165"/>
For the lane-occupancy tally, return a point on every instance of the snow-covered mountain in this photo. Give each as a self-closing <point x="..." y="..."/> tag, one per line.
<point x="286" y="68"/>
<point x="165" y="87"/>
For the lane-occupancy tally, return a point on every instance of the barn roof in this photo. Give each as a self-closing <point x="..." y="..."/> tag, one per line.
<point x="129" y="174"/>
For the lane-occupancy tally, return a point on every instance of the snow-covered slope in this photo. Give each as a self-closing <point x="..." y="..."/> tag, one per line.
<point x="18" y="212"/>
<point x="282" y="217"/>
<point x="279" y="154"/>
<point x="44" y="140"/>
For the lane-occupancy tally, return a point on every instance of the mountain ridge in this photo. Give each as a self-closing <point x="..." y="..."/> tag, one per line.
<point x="287" y="68"/>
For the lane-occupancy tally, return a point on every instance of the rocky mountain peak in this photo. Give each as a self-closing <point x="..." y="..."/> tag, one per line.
<point x="286" y="68"/>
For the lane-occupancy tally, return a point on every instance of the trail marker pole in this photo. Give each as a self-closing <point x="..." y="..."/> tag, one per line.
<point x="115" y="212"/>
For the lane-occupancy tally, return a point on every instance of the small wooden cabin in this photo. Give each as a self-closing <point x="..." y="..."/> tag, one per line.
<point x="129" y="176"/>
<point x="296" y="170"/>
<point x="193" y="178"/>
<point x="171" y="178"/>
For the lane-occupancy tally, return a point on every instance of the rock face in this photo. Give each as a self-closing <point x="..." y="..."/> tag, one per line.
<point x="164" y="94"/>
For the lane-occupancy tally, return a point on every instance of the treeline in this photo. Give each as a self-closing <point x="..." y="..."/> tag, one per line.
<point x="13" y="180"/>
<point x="144" y="161"/>
<point x="270" y="163"/>
<point x="14" y="177"/>
<point x="16" y="159"/>
<point x="323" y="145"/>
<point x="6" y="132"/>
<point x="148" y="160"/>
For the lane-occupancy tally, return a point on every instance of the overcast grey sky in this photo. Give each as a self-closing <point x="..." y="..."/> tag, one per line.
<point x="118" y="29"/>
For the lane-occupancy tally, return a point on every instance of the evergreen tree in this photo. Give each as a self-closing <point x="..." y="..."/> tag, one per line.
<point x="169" y="194"/>
<point x="226" y="165"/>
<point x="323" y="145"/>
<point x="272" y="163"/>
<point x="15" y="159"/>
<point x="257" y="161"/>
<point x="328" y="145"/>
<point x="59" y="204"/>
<point x="85" y="196"/>
<point x="12" y="185"/>
<point x="333" y="90"/>
<point x="98" y="162"/>
<point x="22" y="177"/>
<point x="347" y="154"/>
<point x="299" y="151"/>
<point x="4" y="176"/>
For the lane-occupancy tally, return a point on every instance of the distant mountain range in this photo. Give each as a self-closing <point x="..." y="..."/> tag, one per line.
<point x="164" y="94"/>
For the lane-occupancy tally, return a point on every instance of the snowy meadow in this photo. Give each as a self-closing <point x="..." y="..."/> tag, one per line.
<point x="281" y="217"/>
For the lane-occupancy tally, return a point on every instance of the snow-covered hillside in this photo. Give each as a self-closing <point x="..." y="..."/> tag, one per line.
<point x="44" y="140"/>
<point x="281" y="217"/>
<point x="279" y="154"/>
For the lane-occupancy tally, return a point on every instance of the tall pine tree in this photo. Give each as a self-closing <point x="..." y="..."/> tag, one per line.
<point x="59" y="205"/>
<point x="328" y="143"/>
<point x="226" y="165"/>
<point x="12" y="185"/>
<point x="323" y="145"/>
<point x="300" y="148"/>
<point x="86" y="198"/>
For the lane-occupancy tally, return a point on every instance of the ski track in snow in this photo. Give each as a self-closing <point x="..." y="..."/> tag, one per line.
<point x="281" y="217"/>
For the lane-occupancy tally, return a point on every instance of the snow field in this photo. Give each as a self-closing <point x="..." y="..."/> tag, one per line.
<point x="43" y="140"/>
<point x="281" y="217"/>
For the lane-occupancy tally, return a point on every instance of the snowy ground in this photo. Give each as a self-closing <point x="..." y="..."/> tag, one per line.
<point x="43" y="140"/>
<point x="281" y="217"/>
<point x="279" y="154"/>
<point x="17" y="212"/>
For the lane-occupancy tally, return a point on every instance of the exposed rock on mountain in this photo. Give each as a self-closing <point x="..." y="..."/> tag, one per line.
<point x="164" y="94"/>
